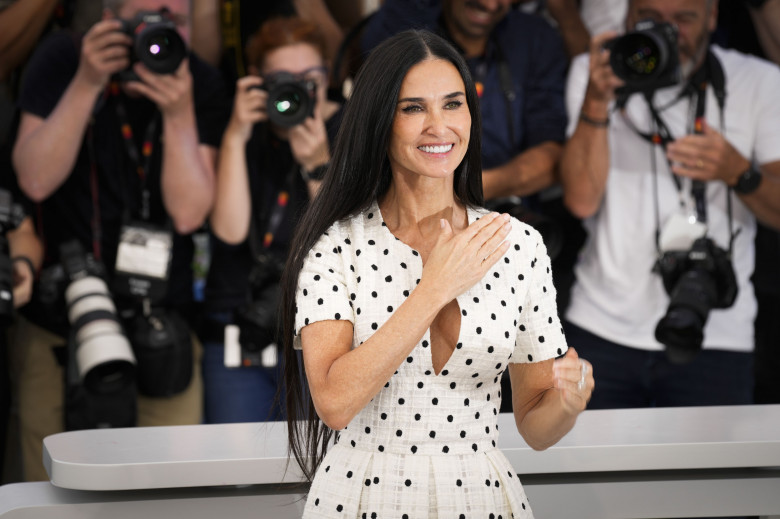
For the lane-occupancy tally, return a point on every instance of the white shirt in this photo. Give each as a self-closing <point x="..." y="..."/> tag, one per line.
<point x="617" y="296"/>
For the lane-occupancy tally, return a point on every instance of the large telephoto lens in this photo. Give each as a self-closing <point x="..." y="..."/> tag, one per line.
<point x="104" y="357"/>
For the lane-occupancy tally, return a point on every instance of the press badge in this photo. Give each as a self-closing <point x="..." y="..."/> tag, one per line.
<point x="143" y="261"/>
<point x="680" y="231"/>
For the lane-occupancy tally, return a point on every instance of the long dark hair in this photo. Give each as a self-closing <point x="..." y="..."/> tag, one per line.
<point x="359" y="173"/>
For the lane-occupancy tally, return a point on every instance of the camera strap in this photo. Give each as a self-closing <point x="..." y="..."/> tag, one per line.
<point x="141" y="159"/>
<point x="710" y="73"/>
<point x="272" y="218"/>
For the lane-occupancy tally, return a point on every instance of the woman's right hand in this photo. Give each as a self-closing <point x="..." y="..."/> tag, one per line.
<point x="249" y="107"/>
<point x="458" y="260"/>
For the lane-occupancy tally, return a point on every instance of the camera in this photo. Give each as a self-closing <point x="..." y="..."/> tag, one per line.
<point x="697" y="280"/>
<point x="11" y="216"/>
<point x="257" y="319"/>
<point x="290" y="100"/>
<point x="156" y="43"/>
<point x="103" y="356"/>
<point x="646" y="58"/>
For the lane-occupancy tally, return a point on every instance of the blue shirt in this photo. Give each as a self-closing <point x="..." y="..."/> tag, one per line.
<point x="536" y="60"/>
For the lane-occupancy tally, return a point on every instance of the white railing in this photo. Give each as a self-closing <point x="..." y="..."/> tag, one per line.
<point x="621" y="464"/>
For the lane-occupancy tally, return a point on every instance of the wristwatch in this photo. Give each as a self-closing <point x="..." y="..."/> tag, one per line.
<point x="748" y="181"/>
<point x="317" y="173"/>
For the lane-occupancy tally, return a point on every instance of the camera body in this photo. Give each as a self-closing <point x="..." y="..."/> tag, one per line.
<point x="290" y="99"/>
<point x="646" y="58"/>
<point x="156" y="43"/>
<point x="11" y="216"/>
<point x="697" y="280"/>
<point x="257" y="319"/>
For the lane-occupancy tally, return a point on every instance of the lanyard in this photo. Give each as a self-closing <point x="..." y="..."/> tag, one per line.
<point x="140" y="159"/>
<point x="711" y="72"/>
<point x="274" y="218"/>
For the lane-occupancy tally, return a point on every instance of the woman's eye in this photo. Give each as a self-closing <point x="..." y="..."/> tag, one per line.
<point x="452" y="105"/>
<point x="411" y="109"/>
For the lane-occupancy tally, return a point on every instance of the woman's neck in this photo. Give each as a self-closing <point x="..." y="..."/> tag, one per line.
<point x="412" y="212"/>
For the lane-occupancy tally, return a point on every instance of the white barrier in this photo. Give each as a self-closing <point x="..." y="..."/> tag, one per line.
<point x="635" y="463"/>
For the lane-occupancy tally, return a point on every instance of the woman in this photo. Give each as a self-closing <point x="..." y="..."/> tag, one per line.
<point x="265" y="179"/>
<point x="409" y="302"/>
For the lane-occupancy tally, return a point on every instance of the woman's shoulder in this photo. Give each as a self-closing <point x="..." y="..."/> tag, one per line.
<point x="521" y="233"/>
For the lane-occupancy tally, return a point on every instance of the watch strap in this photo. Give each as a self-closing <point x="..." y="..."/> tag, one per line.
<point x="748" y="181"/>
<point x="317" y="173"/>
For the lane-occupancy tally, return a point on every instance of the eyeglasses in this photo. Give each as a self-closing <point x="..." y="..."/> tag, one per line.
<point x="315" y="74"/>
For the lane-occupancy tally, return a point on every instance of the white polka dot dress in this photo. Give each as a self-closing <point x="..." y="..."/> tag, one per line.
<point x="425" y="446"/>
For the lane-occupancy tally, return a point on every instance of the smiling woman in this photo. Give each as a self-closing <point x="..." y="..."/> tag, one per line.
<point x="409" y="301"/>
<point x="430" y="135"/>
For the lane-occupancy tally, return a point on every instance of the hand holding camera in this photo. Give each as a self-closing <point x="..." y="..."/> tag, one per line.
<point x="172" y="93"/>
<point x="602" y="82"/>
<point x="309" y="141"/>
<point x="249" y="107"/>
<point x="105" y="50"/>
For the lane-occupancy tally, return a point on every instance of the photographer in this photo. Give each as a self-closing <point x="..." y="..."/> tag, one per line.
<point x="120" y="159"/>
<point x="274" y="151"/>
<point x="21" y="254"/>
<point x="670" y="168"/>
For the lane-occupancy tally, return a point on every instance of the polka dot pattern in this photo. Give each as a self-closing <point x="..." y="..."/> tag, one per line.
<point x="420" y="414"/>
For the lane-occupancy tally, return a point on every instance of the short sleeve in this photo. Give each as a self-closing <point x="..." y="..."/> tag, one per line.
<point x="322" y="293"/>
<point x="49" y="72"/>
<point x="539" y="331"/>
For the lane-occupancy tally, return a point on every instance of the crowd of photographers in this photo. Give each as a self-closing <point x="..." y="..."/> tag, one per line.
<point x="132" y="133"/>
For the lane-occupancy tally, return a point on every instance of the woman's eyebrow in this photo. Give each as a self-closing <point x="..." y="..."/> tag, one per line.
<point x="422" y="100"/>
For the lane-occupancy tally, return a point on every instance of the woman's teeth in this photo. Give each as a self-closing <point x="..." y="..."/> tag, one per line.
<point x="436" y="149"/>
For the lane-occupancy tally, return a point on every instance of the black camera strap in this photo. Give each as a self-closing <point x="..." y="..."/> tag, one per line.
<point x="141" y="159"/>
<point x="272" y="218"/>
<point x="710" y="73"/>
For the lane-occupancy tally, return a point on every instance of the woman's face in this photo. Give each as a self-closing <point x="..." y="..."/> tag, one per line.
<point x="432" y="123"/>
<point x="298" y="59"/>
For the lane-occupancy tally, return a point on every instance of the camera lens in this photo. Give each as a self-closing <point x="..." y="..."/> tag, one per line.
<point x="104" y="357"/>
<point x="681" y="330"/>
<point x="290" y="102"/>
<point x="160" y="48"/>
<point x="638" y="56"/>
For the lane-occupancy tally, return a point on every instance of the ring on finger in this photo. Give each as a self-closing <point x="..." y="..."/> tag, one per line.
<point x="583" y="372"/>
<point x="699" y="163"/>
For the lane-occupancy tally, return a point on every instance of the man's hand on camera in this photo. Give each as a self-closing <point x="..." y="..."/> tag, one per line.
<point x="172" y="93"/>
<point x="104" y="51"/>
<point x="249" y="107"/>
<point x="602" y="81"/>
<point x="706" y="156"/>
<point x="309" y="141"/>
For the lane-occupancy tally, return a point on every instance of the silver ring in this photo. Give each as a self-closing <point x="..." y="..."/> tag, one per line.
<point x="583" y="372"/>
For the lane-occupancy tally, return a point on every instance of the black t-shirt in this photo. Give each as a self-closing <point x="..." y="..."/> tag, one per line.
<point x="68" y="212"/>
<point x="271" y="168"/>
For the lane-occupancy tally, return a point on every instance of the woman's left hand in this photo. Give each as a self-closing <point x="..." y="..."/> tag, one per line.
<point x="573" y="376"/>
<point x="309" y="142"/>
